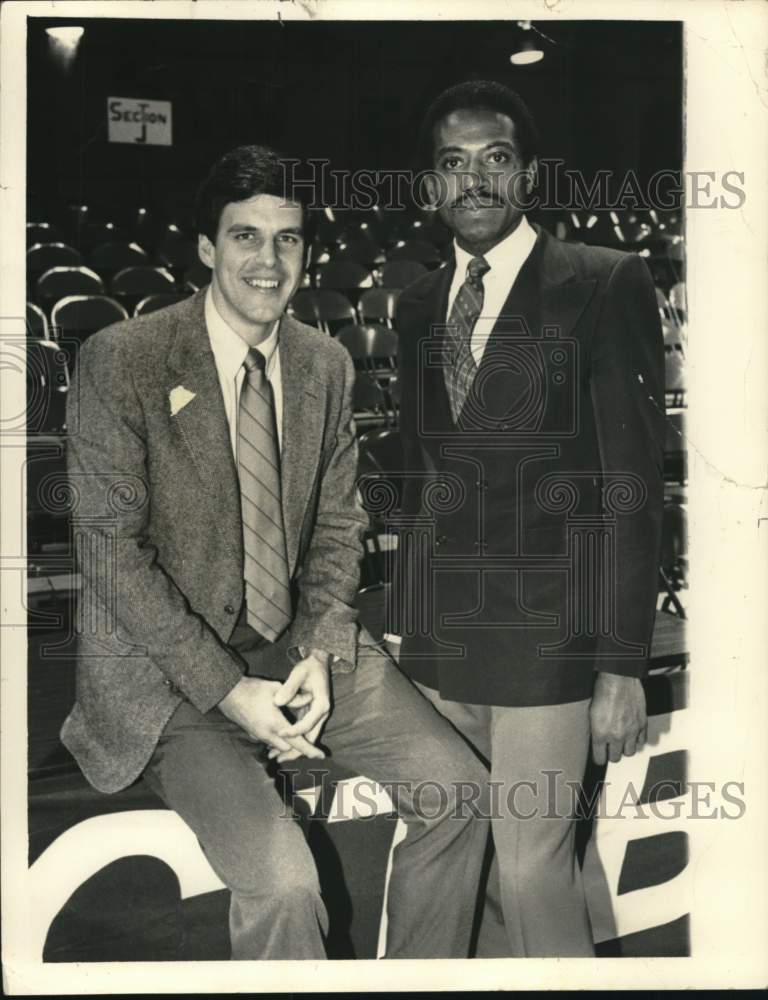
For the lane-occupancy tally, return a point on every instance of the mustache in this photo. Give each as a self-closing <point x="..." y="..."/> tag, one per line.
<point x="487" y="200"/>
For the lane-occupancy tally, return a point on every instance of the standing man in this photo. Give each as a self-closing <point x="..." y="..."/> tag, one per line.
<point x="213" y="456"/>
<point x="532" y="393"/>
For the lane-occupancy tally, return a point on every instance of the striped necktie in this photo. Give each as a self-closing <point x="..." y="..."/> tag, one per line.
<point x="465" y="312"/>
<point x="267" y="592"/>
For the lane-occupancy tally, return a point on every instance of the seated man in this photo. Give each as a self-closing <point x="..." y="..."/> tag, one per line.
<point x="213" y="455"/>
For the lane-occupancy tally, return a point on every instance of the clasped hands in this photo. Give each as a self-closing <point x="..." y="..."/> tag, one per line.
<point x="257" y="704"/>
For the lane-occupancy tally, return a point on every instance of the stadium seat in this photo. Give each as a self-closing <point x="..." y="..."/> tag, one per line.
<point x="43" y="256"/>
<point x="133" y="284"/>
<point x="365" y="251"/>
<point x="678" y="303"/>
<point x="377" y="305"/>
<point x="424" y="230"/>
<point x="109" y="258"/>
<point x="37" y="324"/>
<point x="400" y="273"/>
<point x="43" y="232"/>
<point x="368" y="401"/>
<point x="78" y="316"/>
<point x="343" y="275"/>
<point x="324" y="308"/>
<point x="177" y="255"/>
<point x="373" y="348"/>
<point x="47" y="386"/>
<point x="154" y="302"/>
<point x="674" y="377"/>
<point x="417" y="250"/>
<point x="196" y="276"/>
<point x="95" y="234"/>
<point x="58" y="282"/>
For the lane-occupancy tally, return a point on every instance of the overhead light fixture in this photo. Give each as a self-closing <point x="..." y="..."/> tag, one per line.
<point x="64" y="43"/>
<point x="529" y="48"/>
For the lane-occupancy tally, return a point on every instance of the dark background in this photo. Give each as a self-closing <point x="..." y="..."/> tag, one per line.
<point x="608" y="95"/>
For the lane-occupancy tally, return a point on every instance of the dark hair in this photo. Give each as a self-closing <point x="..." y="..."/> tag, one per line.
<point x="479" y="95"/>
<point x="240" y="174"/>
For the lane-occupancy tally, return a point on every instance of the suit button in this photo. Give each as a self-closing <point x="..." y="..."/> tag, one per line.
<point x="229" y="609"/>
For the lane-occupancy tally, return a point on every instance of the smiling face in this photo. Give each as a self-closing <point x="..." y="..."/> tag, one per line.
<point x="257" y="263"/>
<point x="481" y="184"/>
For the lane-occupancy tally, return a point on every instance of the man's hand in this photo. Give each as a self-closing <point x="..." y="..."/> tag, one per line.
<point x="307" y="693"/>
<point x="617" y="717"/>
<point x="251" y="704"/>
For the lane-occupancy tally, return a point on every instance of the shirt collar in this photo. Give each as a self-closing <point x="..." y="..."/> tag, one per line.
<point x="512" y="249"/>
<point x="229" y="348"/>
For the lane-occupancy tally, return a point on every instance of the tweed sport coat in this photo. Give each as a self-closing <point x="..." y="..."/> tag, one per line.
<point x="158" y="532"/>
<point x="508" y="624"/>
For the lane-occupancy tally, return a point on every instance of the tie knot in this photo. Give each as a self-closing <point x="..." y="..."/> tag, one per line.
<point x="254" y="360"/>
<point x="476" y="268"/>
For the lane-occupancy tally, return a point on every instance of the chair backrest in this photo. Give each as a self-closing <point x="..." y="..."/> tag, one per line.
<point x="383" y="450"/>
<point x="43" y="256"/>
<point x="417" y="250"/>
<point x="661" y="302"/>
<point x="141" y="281"/>
<point x="322" y="308"/>
<point x="424" y="230"/>
<point x="37" y="324"/>
<point x="112" y="257"/>
<point x="393" y="391"/>
<point x="365" y="251"/>
<point x="82" y="315"/>
<point x="379" y="304"/>
<point x="96" y="234"/>
<point x="678" y="301"/>
<point x="674" y="370"/>
<point x="154" y="302"/>
<point x="43" y="232"/>
<point x="343" y="274"/>
<point x="674" y="536"/>
<point x="58" y="282"/>
<point x="400" y="273"/>
<point x="369" y="341"/>
<point x="47" y="387"/>
<point x="197" y="276"/>
<point x="179" y="254"/>
<point x="367" y="395"/>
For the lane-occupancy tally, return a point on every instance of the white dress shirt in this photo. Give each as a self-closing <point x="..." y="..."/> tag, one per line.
<point x="229" y="353"/>
<point x="505" y="260"/>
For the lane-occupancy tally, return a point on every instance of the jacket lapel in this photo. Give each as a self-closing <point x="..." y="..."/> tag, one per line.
<point x="303" y="425"/>
<point x="202" y="422"/>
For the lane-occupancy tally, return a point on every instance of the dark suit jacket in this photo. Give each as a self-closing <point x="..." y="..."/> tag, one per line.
<point x="158" y="530"/>
<point x="530" y="533"/>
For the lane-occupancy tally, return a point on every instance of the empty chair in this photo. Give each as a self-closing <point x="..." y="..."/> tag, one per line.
<point x="154" y="302"/>
<point x="47" y="386"/>
<point x="678" y="303"/>
<point x="662" y="303"/>
<point x="78" y="316"/>
<point x="177" y="255"/>
<point x="109" y="258"/>
<point x="37" y="324"/>
<point x="368" y="401"/>
<point x="365" y="251"/>
<point x="43" y="256"/>
<point x="424" y="230"/>
<point x="93" y="234"/>
<point x="393" y="393"/>
<point x="196" y="276"/>
<point x="674" y="550"/>
<point x="133" y="284"/>
<point x="324" y="308"/>
<point x="675" y="464"/>
<point x="672" y="335"/>
<point x="674" y="375"/>
<point x="58" y="282"/>
<point x="43" y="232"/>
<point x="400" y="273"/>
<point x="343" y="275"/>
<point x="378" y="305"/>
<point x="418" y="250"/>
<point x="373" y="348"/>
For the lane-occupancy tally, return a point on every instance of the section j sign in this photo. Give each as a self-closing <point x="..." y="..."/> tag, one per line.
<point x="139" y="122"/>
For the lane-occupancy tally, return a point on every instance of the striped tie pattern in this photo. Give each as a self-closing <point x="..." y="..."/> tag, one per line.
<point x="267" y="592"/>
<point x="465" y="312"/>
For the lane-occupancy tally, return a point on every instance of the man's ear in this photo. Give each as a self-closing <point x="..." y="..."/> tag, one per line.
<point x="532" y="172"/>
<point x="206" y="250"/>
